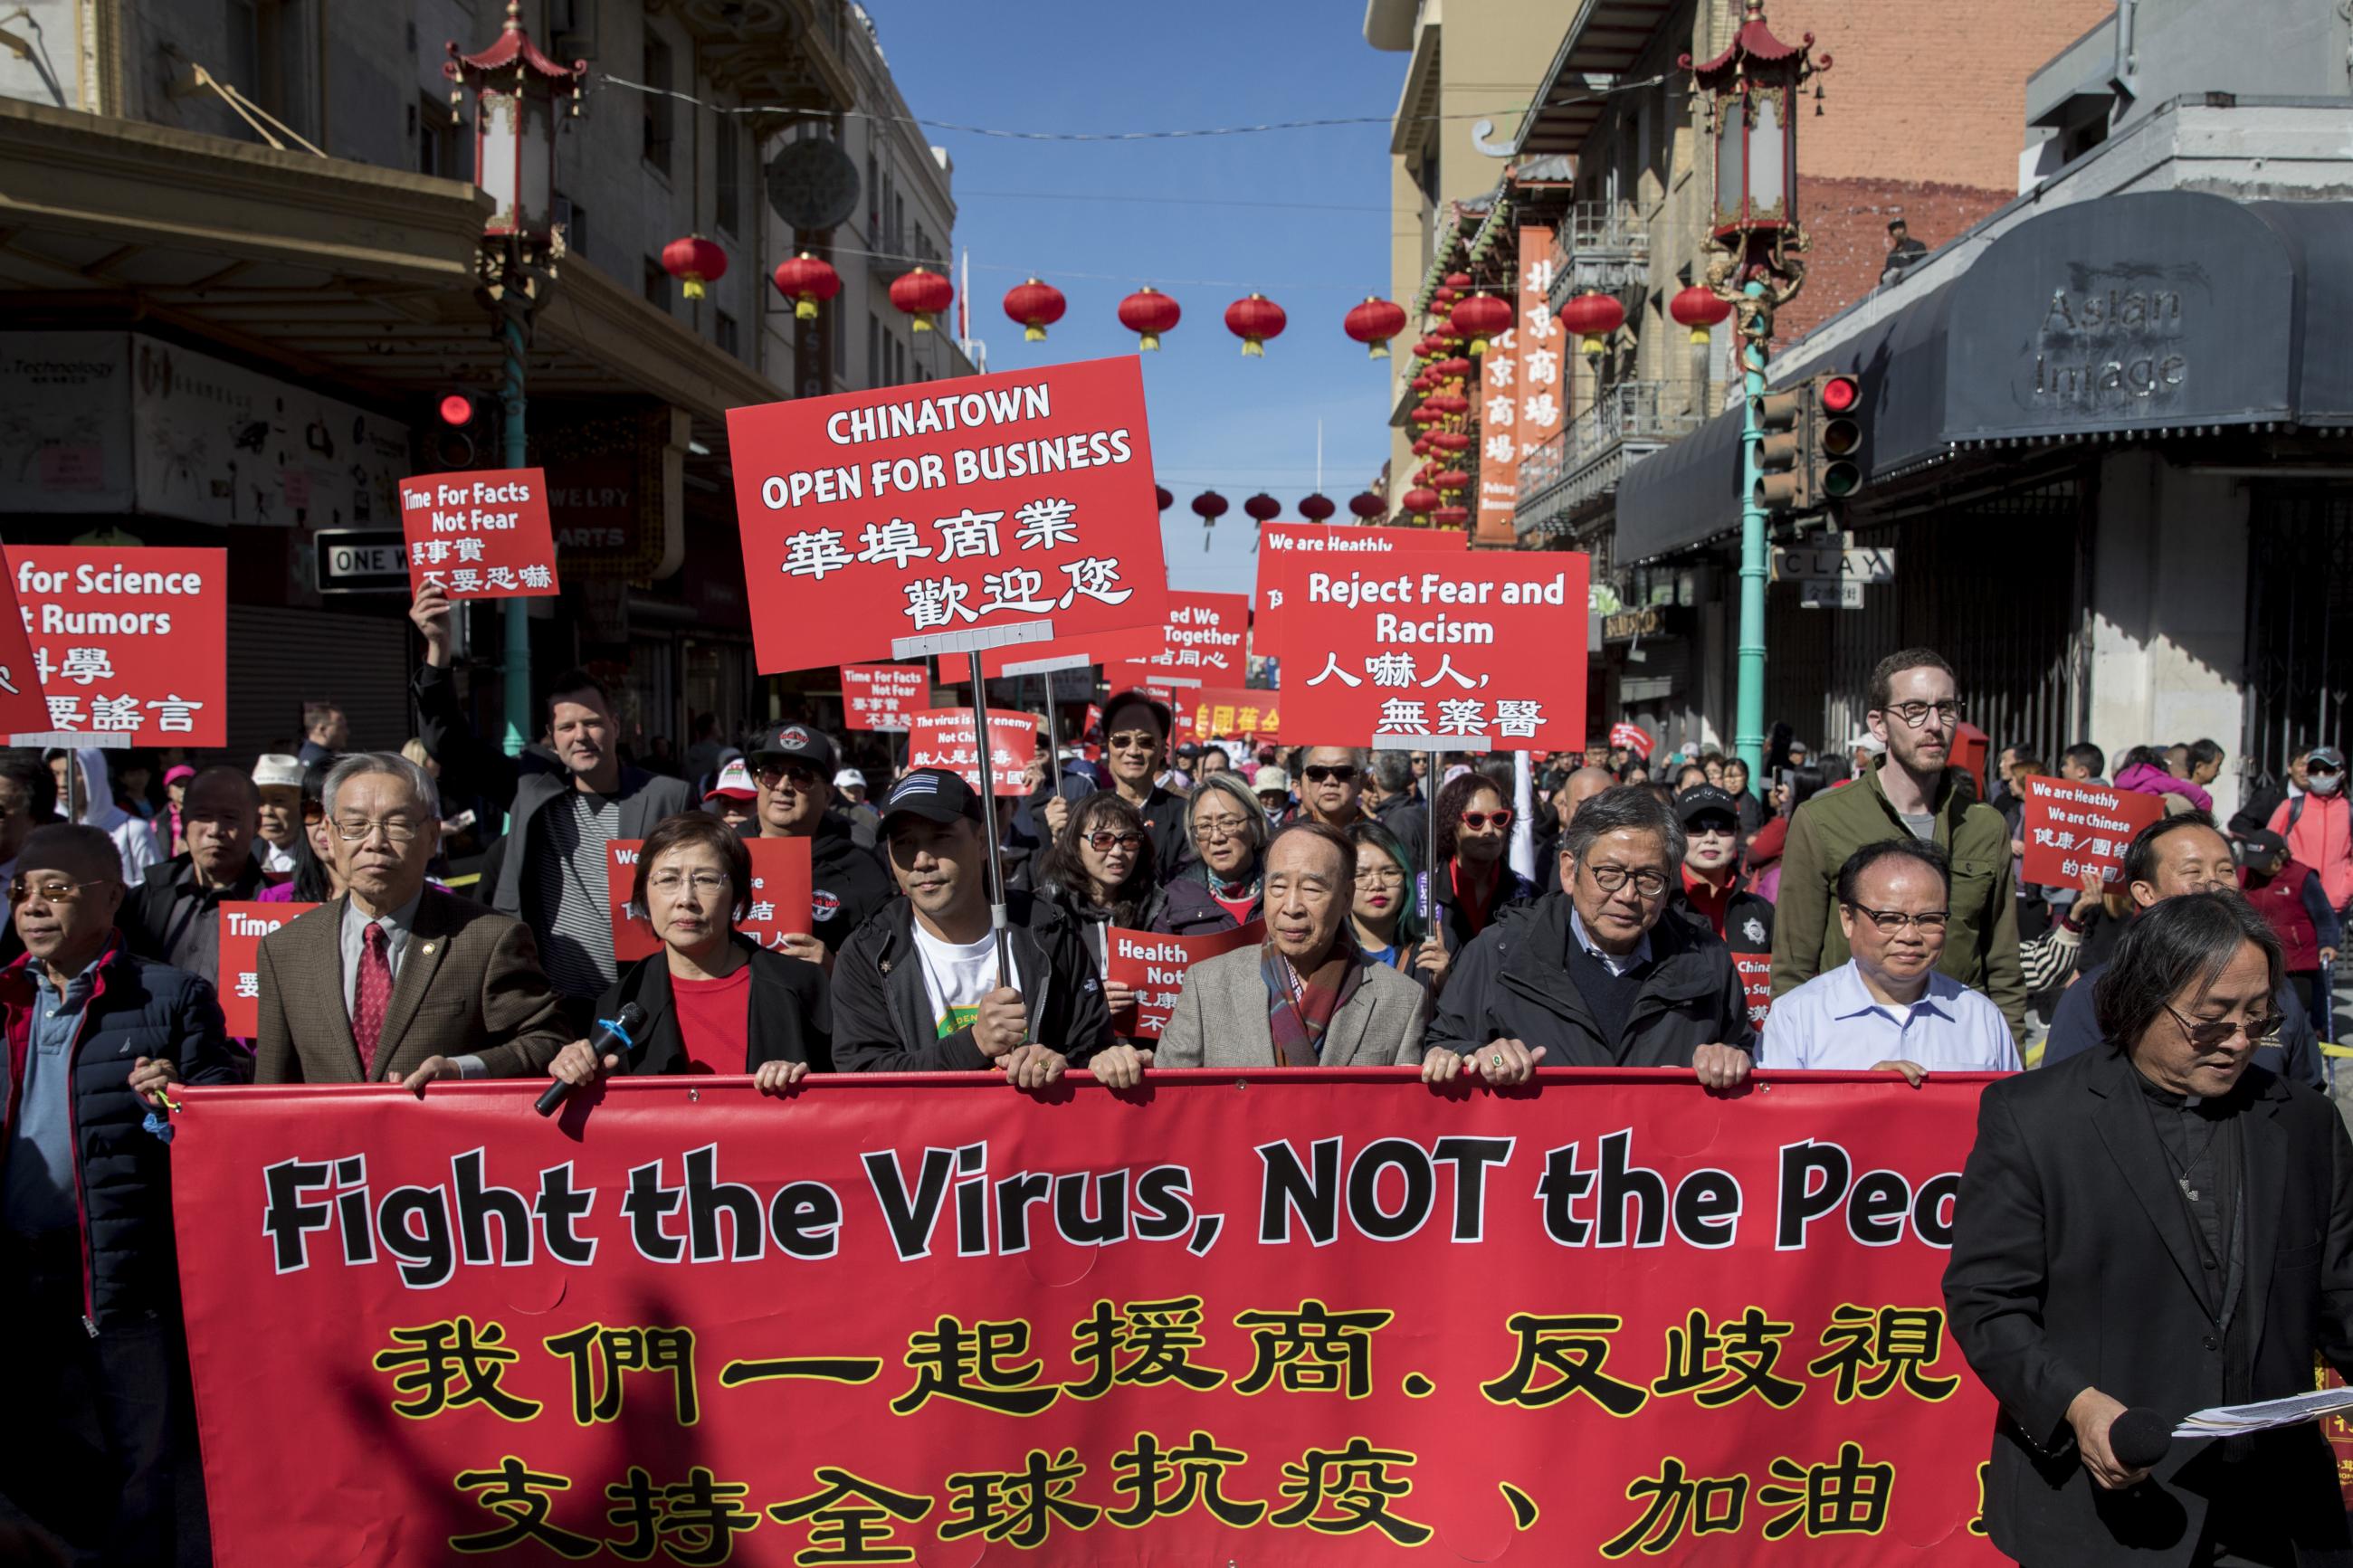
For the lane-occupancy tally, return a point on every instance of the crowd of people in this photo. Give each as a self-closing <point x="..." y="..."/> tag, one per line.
<point x="1585" y="911"/>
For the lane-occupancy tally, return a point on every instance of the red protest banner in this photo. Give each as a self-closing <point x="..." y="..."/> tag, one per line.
<point x="1234" y="711"/>
<point x="23" y="710"/>
<point x="1755" y="971"/>
<point x="1021" y="501"/>
<point x="1279" y="542"/>
<point x="1633" y="737"/>
<point x="242" y="927"/>
<point x="1204" y="637"/>
<point x="480" y="535"/>
<point x="1154" y="966"/>
<point x="1467" y="647"/>
<point x="881" y="696"/>
<point x="943" y="738"/>
<point x="1261" y="1318"/>
<point x="2071" y="827"/>
<point x="780" y="904"/>
<point x="129" y="641"/>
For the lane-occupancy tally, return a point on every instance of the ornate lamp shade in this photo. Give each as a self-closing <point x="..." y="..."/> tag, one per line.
<point x="1033" y="307"/>
<point x="1254" y="319"/>
<point x="922" y="295"/>
<point x="1374" y="323"/>
<point x="1148" y="312"/>
<point x="694" y="262"/>
<point x="515" y="90"/>
<point x="1753" y="87"/>
<point x="808" y="281"/>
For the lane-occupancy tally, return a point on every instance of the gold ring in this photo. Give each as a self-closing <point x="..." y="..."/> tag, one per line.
<point x="1495" y="1060"/>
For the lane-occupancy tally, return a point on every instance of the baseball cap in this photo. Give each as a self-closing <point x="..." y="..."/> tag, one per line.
<point x="1271" y="779"/>
<point x="735" y="783"/>
<point x="849" y="778"/>
<point x="276" y="770"/>
<point x="1704" y="800"/>
<point x="936" y="795"/>
<point x="2327" y="757"/>
<point x="1867" y="742"/>
<point x="798" y="743"/>
<point x="175" y="773"/>
<point x="2263" y="844"/>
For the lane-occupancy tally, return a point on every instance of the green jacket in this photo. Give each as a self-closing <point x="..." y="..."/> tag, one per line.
<point x="1981" y="942"/>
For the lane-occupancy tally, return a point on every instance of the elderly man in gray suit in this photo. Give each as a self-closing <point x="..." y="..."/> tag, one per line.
<point x="1307" y="997"/>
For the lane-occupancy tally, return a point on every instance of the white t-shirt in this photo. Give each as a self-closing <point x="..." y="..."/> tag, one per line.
<point x="957" y="977"/>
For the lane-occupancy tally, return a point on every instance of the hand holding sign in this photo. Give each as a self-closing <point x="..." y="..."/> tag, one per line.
<point x="2073" y="829"/>
<point x="481" y="535"/>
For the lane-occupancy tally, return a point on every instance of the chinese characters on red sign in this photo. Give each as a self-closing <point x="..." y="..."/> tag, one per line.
<point x="1632" y="737"/>
<point x="2073" y="828"/>
<point x="1232" y="713"/>
<point x="920" y="519"/>
<point x="22" y="709"/>
<point x="1203" y="638"/>
<point x="1520" y="414"/>
<point x="943" y="738"/>
<point x="1154" y="967"/>
<point x="1408" y="647"/>
<point x="780" y="905"/>
<point x="881" y="696"/>
<point x="480" y="536"/>
<point x="129" y="642"/>
<point x="242" y="927"/>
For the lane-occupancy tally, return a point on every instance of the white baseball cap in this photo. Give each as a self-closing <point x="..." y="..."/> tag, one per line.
<point x="276" y="770"/>
<point x="849" y="778"/>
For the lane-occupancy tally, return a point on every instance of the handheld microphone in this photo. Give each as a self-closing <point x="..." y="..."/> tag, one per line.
<point x="611" y="1034"/>
<point x="2139" y="1438"/>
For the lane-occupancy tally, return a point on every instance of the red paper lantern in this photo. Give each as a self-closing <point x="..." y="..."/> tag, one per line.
<point x="808" y="281"/>
<point x="1593" y="317"/>
<point x="1421" y="501"/>
<point x="1451" y="479"/>
<point x="1443" y="300"/>
<point x="1481" y="317"/>
<point x="1421" y="445"/>
<point x="1374" y="323"/>
<point x="1698" y="307"/>
<point x="1426" y="415"/>
<point x="1034" y="306"/>
<point x="1209" y="506"/>
<point x="922" y="295"/>
<point x="1450" y="516"/>
<point x="1431" y="346"/>
<point x="1458" y="280"/>
<point x="1448" y="403"/>
<point x="1149" y="312"/>
<point x="1160" y="493"/>
<point x="1450" y="441"/>
<point x="694" y="262"/>
<point x="1367" y="506"/>
<point x="1262" y="507"/>
<point x="1455" y="368"/>
<point x="1254" y="320"/>
<point x="1317" y="507"/>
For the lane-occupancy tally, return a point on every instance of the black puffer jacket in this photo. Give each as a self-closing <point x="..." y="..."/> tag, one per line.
<point x="138" y="1008"/>
<point x="847" y="882"/>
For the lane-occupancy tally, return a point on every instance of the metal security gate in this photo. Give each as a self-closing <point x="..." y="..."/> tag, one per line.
<point x="2299" y="623"/>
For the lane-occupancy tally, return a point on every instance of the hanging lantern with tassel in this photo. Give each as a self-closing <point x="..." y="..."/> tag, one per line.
<point x="1149" y="314"/>
<point x="921" y="295"/>
<point x="808" y="281"/>
<point x="1033" y="307"/>
<point x="694" y="262"/>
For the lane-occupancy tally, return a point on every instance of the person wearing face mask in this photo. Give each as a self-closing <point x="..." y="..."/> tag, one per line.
<point x="1475" y="884"/>
<point x="2318" y="825"/>
<point x="2169" y="858"/>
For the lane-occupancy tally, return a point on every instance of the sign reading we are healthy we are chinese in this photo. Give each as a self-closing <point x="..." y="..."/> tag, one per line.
<point x="998" y="509"/>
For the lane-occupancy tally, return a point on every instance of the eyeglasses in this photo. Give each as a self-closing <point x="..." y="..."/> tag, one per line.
<point x="1133" y="740"/>
<point x="1380" y="877"/>
<point x="1321" y="774"/>
<point x="706" y="884"/>
<point x="1648" y="882"/>
<point x="398" y="830"/>
<point x="2207" y="1033"/>
<point x="774" y="774"/>
<point x="1215" y="827"/>
<point x="1476" y="820"/>
<point x="50" y="892"/>
<point x="1915" y="714"/>
<point x="1103" y="843"/>
<point x="1892" y="920"/>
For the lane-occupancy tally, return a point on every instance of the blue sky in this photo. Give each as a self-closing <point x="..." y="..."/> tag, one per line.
<point x="1247" y="212"/>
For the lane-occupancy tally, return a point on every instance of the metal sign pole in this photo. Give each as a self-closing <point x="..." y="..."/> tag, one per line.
<point x="1429" y="855"/>
<point x="996" y="919"/>
<point x="1053" y="739"/>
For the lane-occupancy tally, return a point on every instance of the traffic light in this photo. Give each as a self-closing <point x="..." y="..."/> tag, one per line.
<point x="1812" y="451"/>
<point x="1838" y="436"/>
<point x="1783" y="481"/>
<point x="465" y="431"/>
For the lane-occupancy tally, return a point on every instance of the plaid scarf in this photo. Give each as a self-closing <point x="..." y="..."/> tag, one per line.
<point x="1299" y="1007"/>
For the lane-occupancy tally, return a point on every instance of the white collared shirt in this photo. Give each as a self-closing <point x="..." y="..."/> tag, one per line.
<point x="1833" y="1023"/>
<point x="1616" y="963"/>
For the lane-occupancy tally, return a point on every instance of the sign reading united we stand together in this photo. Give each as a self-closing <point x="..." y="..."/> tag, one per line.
<point x="1014" y="507"/>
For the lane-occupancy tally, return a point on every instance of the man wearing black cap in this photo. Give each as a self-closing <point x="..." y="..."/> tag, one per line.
<point x="793" y="766"/>
<point x="919" y="989"/>
<point x="1715" y="896"/>
<point x="1135" y="741"/>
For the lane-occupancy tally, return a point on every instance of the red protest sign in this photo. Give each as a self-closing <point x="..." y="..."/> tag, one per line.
<point x="480" y="535"/>
<point x="782" y="1318"/>
<point x="943" y="738"/>
<point x="1633" y="737"/>
<point x="1010" y="508"/>
<point x="1466" y="647"/>
<point x="129" y="641"/>
<point x="1278" y="543"/>
<point x="1755" y="971"/>
<point x="1234" y="711"/>
<point x="242" y="927"/>
<point x="779" y="906"/>
<point x="1154" y="966"/>
<point x="881" y="696"/>
<point x="22" y="709"/>
<point x="1203" y="638"/>
<point x="2071" y="827"/>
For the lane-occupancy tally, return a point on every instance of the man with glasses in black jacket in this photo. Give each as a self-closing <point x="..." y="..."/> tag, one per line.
<point x="1136" y="742"/>
<point x="793" y="767"/>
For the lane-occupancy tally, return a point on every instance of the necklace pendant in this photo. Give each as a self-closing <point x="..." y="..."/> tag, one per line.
<point x="2186" y="1190"/>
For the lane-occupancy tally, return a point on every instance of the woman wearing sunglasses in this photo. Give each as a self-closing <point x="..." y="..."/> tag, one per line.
<point x="1475" y="883"/>
<point x="716" y="1001"/>
<point x="1383" y="908"/>
<point x="1100" y="872"/>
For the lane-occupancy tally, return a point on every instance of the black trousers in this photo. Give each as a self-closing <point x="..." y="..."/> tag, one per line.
<point x="98" y="1451"/>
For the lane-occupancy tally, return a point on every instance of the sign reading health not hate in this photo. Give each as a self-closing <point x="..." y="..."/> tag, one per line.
<point x="129" y="642"/>
<point x="1153" y="965"/>
<point x="1467" y="647"/>
<point x="2073" y="828"/>
<point x="881" y="696"/>
<point x="1017" y="508"/>
<point x="481" y="535"/>
<point x="242" y="927"/>
<point x="781" y="904"/>
<point x="943" y="738"/>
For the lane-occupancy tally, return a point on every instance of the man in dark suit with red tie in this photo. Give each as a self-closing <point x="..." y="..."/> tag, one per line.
<point x="396" y="981"/>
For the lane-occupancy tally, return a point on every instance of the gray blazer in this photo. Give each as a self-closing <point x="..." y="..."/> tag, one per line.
<point x="1220" y="1019"/>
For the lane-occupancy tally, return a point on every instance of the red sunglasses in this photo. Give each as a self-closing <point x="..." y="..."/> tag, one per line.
<point x="1475" y="820"/>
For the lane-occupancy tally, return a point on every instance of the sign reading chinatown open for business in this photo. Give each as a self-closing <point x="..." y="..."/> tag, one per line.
<point x="130" y="642"/>
<point x="1463" y="650"/>
<point x="1321" y="1317"/>
<point x="919" y="519"/>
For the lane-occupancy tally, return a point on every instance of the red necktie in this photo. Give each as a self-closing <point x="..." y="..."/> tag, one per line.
<point x="371" y="997"/>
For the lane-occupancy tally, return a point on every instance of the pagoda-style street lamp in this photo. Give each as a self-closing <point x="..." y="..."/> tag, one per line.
<point x="1751" y="93"/>
<point x="517" y="91"/>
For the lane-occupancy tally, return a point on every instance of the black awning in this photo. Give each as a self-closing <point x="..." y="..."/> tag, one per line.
<point x="1682" y="494"/>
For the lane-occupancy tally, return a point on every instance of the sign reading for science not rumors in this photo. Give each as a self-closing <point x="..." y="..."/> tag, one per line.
<point x="130" y="642"/>
<point x="1014" y="509"/>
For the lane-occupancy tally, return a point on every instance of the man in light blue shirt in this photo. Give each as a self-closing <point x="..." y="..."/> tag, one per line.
<point x="1887" y="1009"/>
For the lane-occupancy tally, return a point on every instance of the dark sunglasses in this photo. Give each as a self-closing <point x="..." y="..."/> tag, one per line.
<point x="314" y="811"/>
<point x="1475" y="820"/>
<point x="1322" y="774"/>
<point x="2205" y="1034"/>
<point x="774" y="774"/>
<point x="1102" y="843"/>
<point x="49" y="892"/>
<point x="1133" y="740"/>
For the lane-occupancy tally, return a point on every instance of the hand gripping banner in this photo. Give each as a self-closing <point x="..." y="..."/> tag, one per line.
<point x="1318" y="1317"/>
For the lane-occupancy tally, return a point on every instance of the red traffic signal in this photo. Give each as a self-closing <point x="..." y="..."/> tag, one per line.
<point x="1840" y="393"/>
<point x="457" y="411"/>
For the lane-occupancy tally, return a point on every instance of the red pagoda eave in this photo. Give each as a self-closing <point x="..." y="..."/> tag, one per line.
<point x="514" y="44"/>
<point x="1754" y="43"/>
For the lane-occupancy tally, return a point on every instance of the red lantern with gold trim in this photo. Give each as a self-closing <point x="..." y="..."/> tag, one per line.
<point x="1450" y="516"/>
<point x="1593" y="316"/>
<point x="1374" y="323"/>
<point x="1316" y="507"/>
<point x="1421" y="501"/>
<point x="1481" y="317"/>
<point x="922" y="295"/>
<point x="1148" y="312"/>
<point x="694" y="262"/>
<point x="1454" y="369"/>
<point x="1254" y="319"/>
<point x="1033" y="307"/>
<point x="1698" y="307"/>
<point x="1450" y="441"/>
<point x="808" y="281"/>
<point x="1366" y="506"/>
